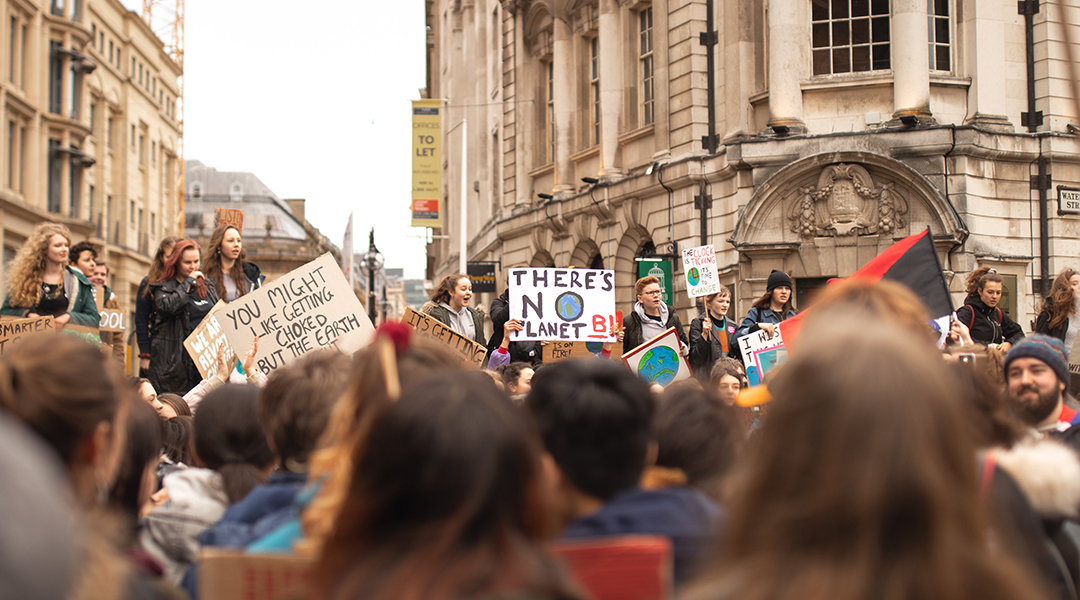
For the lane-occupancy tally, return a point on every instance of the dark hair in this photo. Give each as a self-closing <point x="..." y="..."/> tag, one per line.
<point x="594" y="417"/>
<point x="142" y="447"/>
<point x="77" y="250"/>
<point x="726" y="365"/>
<point x="178" y="404"/>
<point x="512" y="372"/>
<point x="698" y="435"/>
<point x="1061" y="301"/>
<point x="174" y="259"/>
<point x="211" y="261"/>
<point x="447" y="503"/>
<point x="62" y="388"/>
<point x="179" y="442"/>
<point x="765" y="301"/>
<point x="448" y="283"/>
<point x="988" y="416"/>
<point x="978" y="279"/>
<point x="296" y="403"/>
<point x="881" y="499"/>
<point x="230" y="440"/>
<point x="157" y="265"/>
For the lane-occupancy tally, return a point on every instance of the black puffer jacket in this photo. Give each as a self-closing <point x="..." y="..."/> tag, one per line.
<point x="171" y="369"/>
<point x="988" y="325"/>
<point x="705" y="352"/>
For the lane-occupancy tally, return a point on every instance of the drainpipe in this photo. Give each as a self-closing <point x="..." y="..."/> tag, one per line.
<point x="1032" y="118"/>
<point x="709" y="38"/>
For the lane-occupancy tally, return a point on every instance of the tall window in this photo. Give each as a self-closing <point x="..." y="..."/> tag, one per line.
<point x="938" y="27"/>
<point x="13" y="35"/>
<point x="75" y="183"/>
<point x="549" y="109"/>
<point x="56" y="165"/>
<point x="850" y="36"/>
<point x="594" y="87"/>
<point x="11" y="155"/>
<point x="109" y="131"/>
<point x="645" y="59"/>
<point x="74" y="89"/>
<point x="57" y="8"/>
<point x="56" y="78"/>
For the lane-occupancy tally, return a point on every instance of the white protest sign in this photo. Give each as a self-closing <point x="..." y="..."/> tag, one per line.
<point x="658" y="360"/>
<point x="699" y="265"/>
<point x="202" y="345"/>
<point x="310" y="308"/>
<point x="563" y="304"/>
<point x="761" y="353"/>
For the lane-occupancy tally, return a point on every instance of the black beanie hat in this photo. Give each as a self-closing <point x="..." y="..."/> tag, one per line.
<point x="778" y="279"/>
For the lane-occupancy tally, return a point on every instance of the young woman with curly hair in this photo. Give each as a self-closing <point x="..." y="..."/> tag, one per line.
<point x="41" y="283"/>
<point x="1058" y="316"/>
<point x="224" y="263"/>
<point x="989" y="325"/>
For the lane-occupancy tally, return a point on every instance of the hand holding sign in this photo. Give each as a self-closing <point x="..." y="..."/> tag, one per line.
<point x="563" y="304"/>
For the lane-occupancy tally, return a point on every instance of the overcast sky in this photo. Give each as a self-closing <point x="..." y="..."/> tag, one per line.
<point x="314" y="100"/>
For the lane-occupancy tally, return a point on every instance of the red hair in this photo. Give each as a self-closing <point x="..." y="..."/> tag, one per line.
<point x="169" y="272"/>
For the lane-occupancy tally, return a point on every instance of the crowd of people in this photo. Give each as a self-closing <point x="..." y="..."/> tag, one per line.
<point x="872" y="464"/>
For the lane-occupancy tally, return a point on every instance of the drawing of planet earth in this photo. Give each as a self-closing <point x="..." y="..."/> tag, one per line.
<point x="659" y="365"/>
<point x="569" y="306"/>
<point x="594" y="347"/>
<point x="693" y="276"/>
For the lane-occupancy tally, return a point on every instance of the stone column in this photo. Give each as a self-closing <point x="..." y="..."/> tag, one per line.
<point x="562" y="51"/>
<point x="984" y="52"/>
<point x="789" y="32"/>
<point x="910" y="60"/>
<point x="611" y="88"/>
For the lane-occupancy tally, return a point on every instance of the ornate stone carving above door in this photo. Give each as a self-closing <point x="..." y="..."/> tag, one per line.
<point x="846" y="201"/>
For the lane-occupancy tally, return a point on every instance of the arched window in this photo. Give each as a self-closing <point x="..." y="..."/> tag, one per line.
<point x="236" y="192"/>
<point x="196" y="190"/>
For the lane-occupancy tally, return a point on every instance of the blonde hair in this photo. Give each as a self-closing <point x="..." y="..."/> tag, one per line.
<point x="24" y="285"/>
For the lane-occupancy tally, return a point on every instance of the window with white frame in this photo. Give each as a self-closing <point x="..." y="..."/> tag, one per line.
<point x="850" y="36"/>
<point x="549" y="109"/>
<point x="594" y="88"/>
<point x="645" y="60"/>
<point x="939" y="27"/>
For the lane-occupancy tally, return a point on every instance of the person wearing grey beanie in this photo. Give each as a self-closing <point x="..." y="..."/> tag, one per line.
<point x="1037" y="374"/>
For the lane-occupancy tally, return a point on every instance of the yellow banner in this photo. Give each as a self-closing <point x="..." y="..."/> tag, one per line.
<point x="427" y="163"/>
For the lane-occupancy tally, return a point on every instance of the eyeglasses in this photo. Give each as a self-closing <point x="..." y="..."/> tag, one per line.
<point x="652" y="293"/>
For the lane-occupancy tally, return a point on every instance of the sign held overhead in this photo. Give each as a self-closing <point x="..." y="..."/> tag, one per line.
<point x="563" y="304"/>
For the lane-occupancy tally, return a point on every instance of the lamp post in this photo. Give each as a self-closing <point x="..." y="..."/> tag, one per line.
<point x="373" y="265"/>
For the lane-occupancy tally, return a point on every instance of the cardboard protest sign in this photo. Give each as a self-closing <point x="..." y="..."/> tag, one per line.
<point x="14" y="329"/>
<point x="699" y="265"/>
<point x="227" y="574"/>
<point x="112" y="319"/>
<point x="761" y="353"/>
<point x="308" y="309"/>
<point x="469" y="351"/>
<point x="202" y="345"/>
<point x="229" y="216"/>
<point x="658" y="360"/>
<point x="559" y="351"/>
<point x="563" y="304"/>
<point x="89" y="334"/>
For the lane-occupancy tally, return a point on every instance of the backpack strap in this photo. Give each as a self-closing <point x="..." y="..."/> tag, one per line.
<point x="972" y="322"/>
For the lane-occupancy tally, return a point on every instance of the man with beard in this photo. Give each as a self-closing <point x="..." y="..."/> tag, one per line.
<point x="1037" y="374"/>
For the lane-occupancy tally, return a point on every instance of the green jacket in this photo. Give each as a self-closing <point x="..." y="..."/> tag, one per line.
<point x="442" y="315"/>
<point x="81" y="305"/>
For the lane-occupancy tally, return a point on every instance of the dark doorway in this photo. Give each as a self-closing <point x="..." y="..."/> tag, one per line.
<point x="807" y="289"/>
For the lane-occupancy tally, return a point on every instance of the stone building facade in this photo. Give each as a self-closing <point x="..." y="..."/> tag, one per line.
<point x="802" y="135"/>
<point x="88" y="131"/>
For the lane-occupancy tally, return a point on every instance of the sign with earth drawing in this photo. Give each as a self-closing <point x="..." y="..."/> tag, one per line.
<point x="699" y="265"/>
<point x="576" y="305"/>
<point x="658" y="360"/>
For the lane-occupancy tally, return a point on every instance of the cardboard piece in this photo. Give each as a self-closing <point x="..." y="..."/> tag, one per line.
<point x="658" y="360"/>
<point x="112" y="320"/>
<point x="575" y="305"/>
<point x="13" y="329"/>
<point x="202" y="345"/>
<point x="468" y="350"/>
<point x="226" y="574"/>
<point x="229" y="216"/>
<point x="308" y="309"/>
<point x="761" y="353"/>
<point x="632" y="567"/>
<point x="89" y="334"/>
<point x="558" y="351"/>
<point x="699" y="269"/>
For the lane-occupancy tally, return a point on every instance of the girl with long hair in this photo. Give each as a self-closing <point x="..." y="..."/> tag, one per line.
<point x="882" y="500"/>
<point x="1058" y="316"/>
<point x="144" y="303"/>
<point x="182" y="297"/>
<point x="42" y="283"/>
<point x="224" y="263"/>
<point x="712" y="334"/>
<point x="773" y="307"/>
<point x="448" y="503"/>
<point x="985" y="320"/>
<point x="449" y="305"/>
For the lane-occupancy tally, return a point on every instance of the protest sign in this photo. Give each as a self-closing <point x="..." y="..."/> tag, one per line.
<point x="559" y="351"/>
<point x="658" y="360"/>
<point x="699" y="265"/>
<point x="233" y="217"/>
<point x="469" y="351"/>
<point x="14" y="329"/>
<point x="227" y="574"/>
<point x="308" y="309"/>
<point x="203" y="343"/>
<point x="89" y="334"/>
<point x="563" y="304"/>
<point x="761" y="353"/>
<point x="112" y="319"/>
